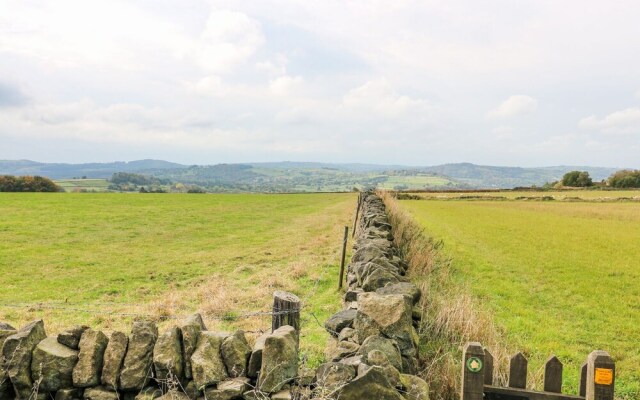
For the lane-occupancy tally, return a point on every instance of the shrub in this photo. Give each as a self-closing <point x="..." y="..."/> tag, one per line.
<point x="577" y="179"/>
<point x="10" y="183"/>
<point x="626" y="178"/>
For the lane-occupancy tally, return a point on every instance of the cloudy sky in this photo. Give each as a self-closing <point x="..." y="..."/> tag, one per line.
<point x="527" y="83"/>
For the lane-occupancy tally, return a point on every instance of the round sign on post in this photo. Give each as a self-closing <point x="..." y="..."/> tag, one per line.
<point x="474" y="364"/>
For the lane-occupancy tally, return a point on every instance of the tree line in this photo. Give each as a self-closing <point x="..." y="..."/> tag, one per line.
<point x="10" y="183"/>
<point x="626" y="178"/>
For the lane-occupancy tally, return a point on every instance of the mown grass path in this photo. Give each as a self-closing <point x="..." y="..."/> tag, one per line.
<point x="169" y="254"/>
<point x="559" y="278"/>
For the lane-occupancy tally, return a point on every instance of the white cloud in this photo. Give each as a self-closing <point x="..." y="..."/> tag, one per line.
<point x="378" y="98"/>
<point x="513" y="106"/>
<point x="229" y="38"/>
<point x="624" y="122"/>
<point x="285" y="85"/>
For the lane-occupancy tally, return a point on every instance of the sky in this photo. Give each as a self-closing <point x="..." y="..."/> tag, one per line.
<point x="518" y="83"/>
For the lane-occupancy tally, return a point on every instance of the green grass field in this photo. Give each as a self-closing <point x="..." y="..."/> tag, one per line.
<point x="85" y="255"/>
<point x="71" y="185"/>
<point x="559" y="278"/>
<point x="588" y="195"/>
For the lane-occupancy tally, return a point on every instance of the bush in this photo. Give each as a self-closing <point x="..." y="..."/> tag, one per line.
<point x="626" y="178"/>
<point x="577" y="179"/>
<point x="10" y="183"/>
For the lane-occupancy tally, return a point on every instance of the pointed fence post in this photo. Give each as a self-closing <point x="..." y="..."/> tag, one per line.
<point x="553" y="375"/>
<point x="583" y="379"/>
<point x="601" y="376"/>
<point x="472" y="372"/>
<point x="518" y="371"/>
<point x="488" y="367"/>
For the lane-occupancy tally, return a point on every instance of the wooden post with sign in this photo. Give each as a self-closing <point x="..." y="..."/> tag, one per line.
<point x="597" y="378"/>
<point x="472" y="372"/>
<point x="601" y="376"/>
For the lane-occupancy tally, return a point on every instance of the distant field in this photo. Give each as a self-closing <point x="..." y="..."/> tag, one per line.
<point x="415" y="181"/>
<point x="71" y="185"/>
<point x="559" y="277"/>
<point x="557" y="195"/>
<point x="169" y="254"/>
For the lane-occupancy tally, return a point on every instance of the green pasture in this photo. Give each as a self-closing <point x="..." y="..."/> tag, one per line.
<point x="559" y="277"/>
<point x="84" y="256"/>
<point x="70" y="185"/>
<point x="587" y="195"/>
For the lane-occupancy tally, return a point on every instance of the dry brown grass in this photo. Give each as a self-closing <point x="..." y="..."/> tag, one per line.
<point x="451" y="316"/>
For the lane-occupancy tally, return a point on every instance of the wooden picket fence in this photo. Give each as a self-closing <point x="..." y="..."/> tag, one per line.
<point x="597" y="379"/>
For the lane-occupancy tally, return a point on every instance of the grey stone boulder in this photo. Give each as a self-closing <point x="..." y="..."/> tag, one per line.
<point x="414" y="387"/>
<point x="377" y="358"/>
<point x="87" y="371"/>
<point x="389" y="315"/>
<point x="235" y="354"/>
<point x="387" y="346"/>
<point x="255" y="360"/>
<point x="228" y="390"/>
<point x="17" y="351"/>
<point x="340" y="320"/>
<point x="353" y="361"/>
<point x="5" y="382"/>
<point x="348" y="334"/>
<point x="404" y="288"/>
<point x="52" y="364"/>
<point x="69" y="394"/>
<point x="190" y="328"/>
<point x="174" y="395"/>
<point x="332" y="375"/>
<point x="167" y="356"/>
<point x="149" y="393"/>
<point x="379" y="278"/>
<point x="352" y="295"/>
<point x="279" y="359"/>
<point x="192" y="391"/>
<point x="138" y="362"/>
<point x="372" y="384"/>
<point x="206" y="362"/>
<point x="71" y="337"/>
<point x="341" y="350"/>
<point x="368" y="253"/>
<point x="100" y="393"/>
<point x="112" y="359"/>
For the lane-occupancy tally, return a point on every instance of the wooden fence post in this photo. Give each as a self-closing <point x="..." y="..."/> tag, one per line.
<point x="472" y="372"/>
<point x="286" y="310"/>
<point x="601" y="376"/>
<point x="344" y="253"/>
<point x="355" y="220"/>
<point x="488" y="367"/>
<point x="518" y="371"/>
<point x="553" y="375"/>
<point x="583" y="379"/>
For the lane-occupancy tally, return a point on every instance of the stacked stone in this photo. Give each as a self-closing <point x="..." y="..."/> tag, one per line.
<point x="373" y="350"/>
<point x="186" y="362"/>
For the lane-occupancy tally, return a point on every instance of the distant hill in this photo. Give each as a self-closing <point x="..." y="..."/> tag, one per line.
<point x="90" y="170"/>
<point x="484" y="176"/>
<point x="288" y="176"/>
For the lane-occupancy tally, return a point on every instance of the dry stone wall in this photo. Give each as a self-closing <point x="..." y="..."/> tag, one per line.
<point x="372" y="352"/>
<point x="187" y="362"/>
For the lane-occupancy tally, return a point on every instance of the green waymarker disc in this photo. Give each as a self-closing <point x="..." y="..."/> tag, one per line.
<point x="474" y="364"/>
